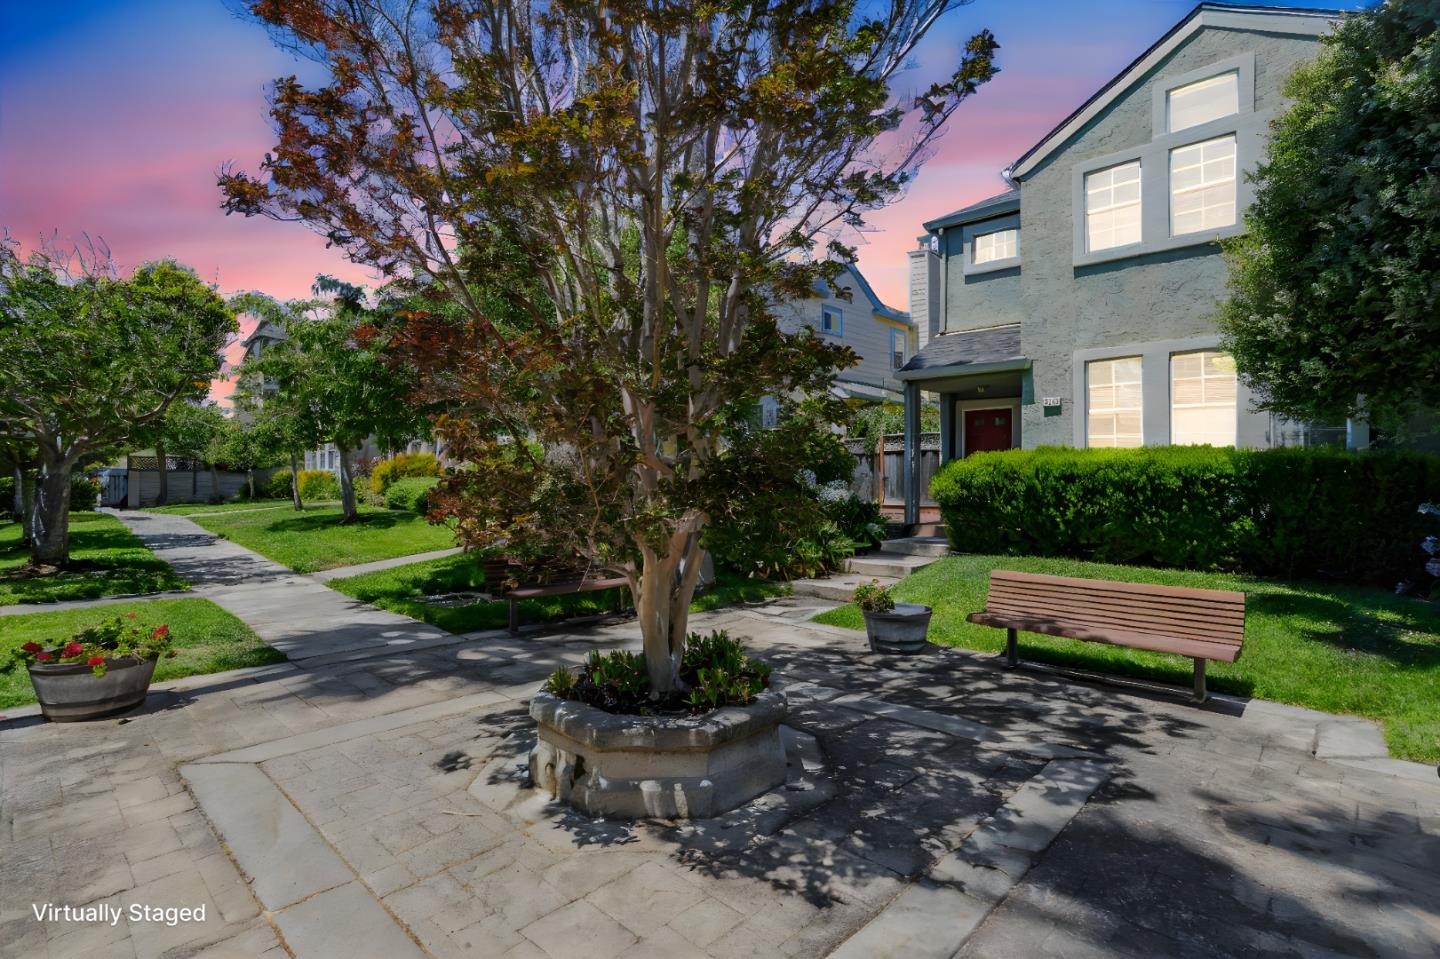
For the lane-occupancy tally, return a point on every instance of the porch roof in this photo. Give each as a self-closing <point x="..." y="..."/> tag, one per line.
<point x="970" y="351"/>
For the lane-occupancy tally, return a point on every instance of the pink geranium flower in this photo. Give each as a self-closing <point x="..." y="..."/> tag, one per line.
<point x="43" y="656"/>
<point x="94" y="660"/>
<point x="160" y="632"/>
<point x="72" y="649"/>
<point x="32" y="647"/>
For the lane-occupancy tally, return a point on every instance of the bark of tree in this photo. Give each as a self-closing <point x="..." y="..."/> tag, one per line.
<point x="27" y="506"/>
<point x="17" y="508"/>
<point x="295" y="481"/>
<point x="49" y="526"/>
<point x="162" y="495"/>
<point x="347" y="486"/>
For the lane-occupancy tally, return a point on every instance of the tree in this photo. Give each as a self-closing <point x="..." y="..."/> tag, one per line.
<point x="239" y="446"/>
<point x="332" y="380"/>
<point x="89" y="361"/>
<point x="1334" y="306"/>
<point x="657" y="171"/>
<point x="187" y="430"/>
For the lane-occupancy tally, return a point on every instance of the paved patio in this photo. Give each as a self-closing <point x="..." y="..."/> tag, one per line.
<point x="371" y="802"/>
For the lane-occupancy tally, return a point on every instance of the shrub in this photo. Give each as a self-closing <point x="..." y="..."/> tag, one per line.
<point x="318" y="485"/>
<point x="860" y="520"/>
<point x="1282" y="512"/>
<point x="279" y="485"/>
<point x="84" y="492"/>
<point x="411" y="494"/>
<point x="398" y="467"/>
<point x="714" y="669"/>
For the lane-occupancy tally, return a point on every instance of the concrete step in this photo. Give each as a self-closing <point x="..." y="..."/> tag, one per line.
<point x="885" y="563"/>
<point x="928" y="529"/>
<point x="837" y="587"/>
<point x="918" y="545"/>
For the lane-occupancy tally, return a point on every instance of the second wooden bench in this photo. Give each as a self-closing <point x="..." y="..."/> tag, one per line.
<point x="512" y="581"/>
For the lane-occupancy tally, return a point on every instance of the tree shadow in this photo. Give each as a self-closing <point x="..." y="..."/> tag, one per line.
<point x="1370" y="630"/>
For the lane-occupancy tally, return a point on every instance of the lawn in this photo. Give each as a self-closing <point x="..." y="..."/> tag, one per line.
<point x="401" y="589"/>
<point x="315" y="540"/>
<point x="207" y="639"/>
<point x="107" y="561"/>
<point x="234" y="506"/>
<point x="1339" y="649"/>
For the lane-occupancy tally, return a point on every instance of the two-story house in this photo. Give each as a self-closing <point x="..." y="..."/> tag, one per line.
<point x="851" y="314"/>
<point x="1077" y="307"/>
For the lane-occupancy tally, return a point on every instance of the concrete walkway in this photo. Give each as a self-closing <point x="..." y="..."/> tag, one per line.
<point x="296" y="614"/>
<point x="360" y="569"/>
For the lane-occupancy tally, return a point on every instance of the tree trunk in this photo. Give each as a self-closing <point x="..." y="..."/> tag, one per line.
<point x="250" y="481"/>
<point x="347" y="486"/>
<point x="162" y="495"/>
<point x="666" y="587"/>
<point x="295" y="481"/>
<point x="27" y="506"/>
<point x="50" y="516"/>
<point x="215" y="496"/>
<point x="17" y="508"/>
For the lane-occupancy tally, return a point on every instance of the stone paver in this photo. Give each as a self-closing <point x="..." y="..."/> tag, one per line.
<point x="912" y="819"/>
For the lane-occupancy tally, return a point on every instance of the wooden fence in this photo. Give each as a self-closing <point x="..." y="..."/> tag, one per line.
<point x="880" y="468"/>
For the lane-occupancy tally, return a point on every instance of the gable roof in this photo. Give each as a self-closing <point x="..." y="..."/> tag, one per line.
<point x="1295" y="21"/>
<point x="1007" y="202"/>
<point x="978" y="349"/>
<point x="889" y="312"/>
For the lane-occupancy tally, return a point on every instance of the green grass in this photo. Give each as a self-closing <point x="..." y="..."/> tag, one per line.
<point x="401" y="590"/>
<point x="234" y="506"/>
<point x="108" y="561"/>
<point x="1339" y="649"/>
<point x="315" y="540"/>
<point x="207" y="639"/>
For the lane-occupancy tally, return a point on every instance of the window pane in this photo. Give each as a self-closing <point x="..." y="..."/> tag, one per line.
<point x="1197" y="103"/>
<point x="1112" y="206"/>
<point x="1000" y="245"/>
<point x="1202" y="398"/>
<point x="1113" y="403"/>
<point x="1202" y="186"/>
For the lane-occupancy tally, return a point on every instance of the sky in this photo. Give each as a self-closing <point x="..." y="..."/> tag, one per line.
<point x="115" y="116"/>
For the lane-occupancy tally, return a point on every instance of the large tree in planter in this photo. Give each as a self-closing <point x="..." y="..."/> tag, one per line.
<point x="1334" y="307"/>
<point x="657" y="171"/>
<point x="88" y="363"/>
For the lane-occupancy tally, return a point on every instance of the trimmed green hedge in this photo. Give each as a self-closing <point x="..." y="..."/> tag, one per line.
<point x="1282" y="512"/>
<point x="411" y="493"/>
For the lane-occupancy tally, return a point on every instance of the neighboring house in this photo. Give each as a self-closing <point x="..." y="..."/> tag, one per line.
<point x="884" y="338"/>
<point x="1077" y="307"/>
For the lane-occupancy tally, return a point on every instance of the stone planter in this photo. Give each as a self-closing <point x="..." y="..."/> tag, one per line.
<point x="902" y="630"/>
<point x="70" y="692"/>
<point x="663" y="767"/>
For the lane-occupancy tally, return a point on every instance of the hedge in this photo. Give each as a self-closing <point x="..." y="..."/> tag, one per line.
<point x="411" y="494"/>
<point x="318" y="485"/>
<point x="1282" y="512"/>
<point x="84" y="491"/>
<point x="400" y="466"/>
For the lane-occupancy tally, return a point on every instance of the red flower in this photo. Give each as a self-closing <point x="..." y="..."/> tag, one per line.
<point x="43" y="656"/>
<point x="130" y="615"/>
<point x="32" y="647"/>
<point x="160" y="632"/>
<point x="72" y="648"/>
<point x="94" y="660"/>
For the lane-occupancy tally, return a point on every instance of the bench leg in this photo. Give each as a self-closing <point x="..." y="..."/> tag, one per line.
<point x="1012" y="650"/>
<point x="1200" y="680"/>
<point x="514" y="617"/>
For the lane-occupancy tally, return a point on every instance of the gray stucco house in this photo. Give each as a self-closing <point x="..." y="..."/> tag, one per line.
<point x="1075" y="308"/>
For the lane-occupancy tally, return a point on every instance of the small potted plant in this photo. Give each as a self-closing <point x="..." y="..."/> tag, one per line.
<point x="100" y="670"/>
<point x="891" y="627"/>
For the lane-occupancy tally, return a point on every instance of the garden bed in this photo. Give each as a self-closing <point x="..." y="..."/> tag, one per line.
<point x="1339" y="649"/>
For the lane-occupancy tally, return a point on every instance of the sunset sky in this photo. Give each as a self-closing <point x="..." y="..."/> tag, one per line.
<point x="115" y="117"/>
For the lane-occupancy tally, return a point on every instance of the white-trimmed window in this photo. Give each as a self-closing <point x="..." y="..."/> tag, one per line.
<point x="1112" y="206"/>
<point x="1202" y="186"/>
<point x="1202" y="398"/>
<point x="999" y="245"/>
<point x="1203" y="101"/>
<point x="1113" y="403"/>
<point x="897" y="349"/>
<point x="832" y="321"/>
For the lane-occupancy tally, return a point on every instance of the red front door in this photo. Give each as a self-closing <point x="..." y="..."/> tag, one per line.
<point x="987" y="430"/>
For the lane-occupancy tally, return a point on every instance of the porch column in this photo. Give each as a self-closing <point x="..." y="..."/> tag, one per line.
<point x="947" y="427"/>
<point x="911" y="459"/>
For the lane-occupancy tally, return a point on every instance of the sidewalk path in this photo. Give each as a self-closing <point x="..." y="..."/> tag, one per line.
<point x="296" y="614"/>
<point x="360" y="569"/>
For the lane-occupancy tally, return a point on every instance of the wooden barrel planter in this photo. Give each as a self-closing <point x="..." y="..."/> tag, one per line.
<point x="71" y="692"/>
<point x="901" y="630"/>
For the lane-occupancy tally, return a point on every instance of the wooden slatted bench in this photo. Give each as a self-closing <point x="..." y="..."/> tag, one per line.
<point x="511" y="581"/>
<point x="1203" y="624"/>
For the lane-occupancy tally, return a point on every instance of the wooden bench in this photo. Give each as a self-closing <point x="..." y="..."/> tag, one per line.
<point x="1203" y="624"/>
<point x="511" y="581"/>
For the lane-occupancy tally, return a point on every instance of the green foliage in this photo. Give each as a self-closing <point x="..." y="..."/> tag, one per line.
<point x="84" y="493"/>
<point x="280" y="485"/>
<point x="411" y="494"/>
<point x="106" y="560"/>
<point x="117" y="638"/>
<point x="874" y="598"/>
<point x="317" y="485"/>
<point x="1334" y="305"/>
<point x="1281" y="512"/>
<point x="316" y="540"/>
<point x="189" y="430"/>
<point x="860" y="520"/>
<point x="561" y="683"/>
<point x="878" y="419"/>
<point x="400" y="466"/>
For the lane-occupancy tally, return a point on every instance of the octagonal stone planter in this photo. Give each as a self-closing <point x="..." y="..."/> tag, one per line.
<point x="662" y="767"/>
<point x="902" y="630"/>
